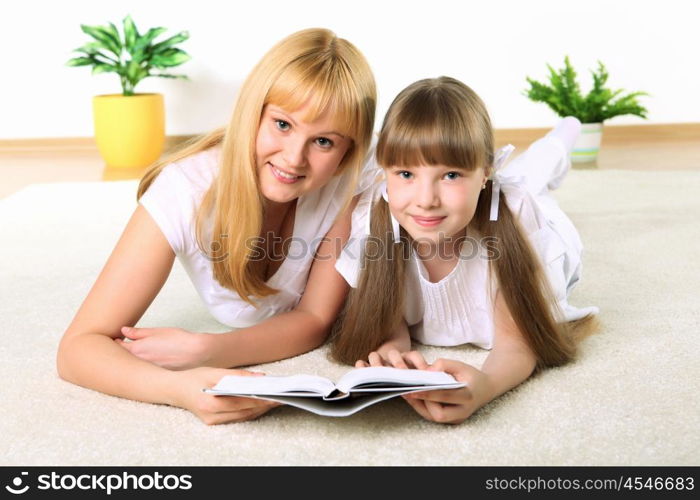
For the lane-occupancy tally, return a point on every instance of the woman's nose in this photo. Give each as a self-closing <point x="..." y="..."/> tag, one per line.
<point x="295" y="153"/>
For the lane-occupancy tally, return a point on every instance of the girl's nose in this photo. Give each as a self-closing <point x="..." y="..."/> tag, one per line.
<point x="428" y="196"/>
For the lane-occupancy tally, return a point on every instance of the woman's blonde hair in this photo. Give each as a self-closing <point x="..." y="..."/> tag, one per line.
<point x="312" y="67"/>
<point x="443" y="122"/>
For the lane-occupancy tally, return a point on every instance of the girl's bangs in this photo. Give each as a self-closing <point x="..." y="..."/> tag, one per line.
<point x="324" y="87"/>
<point x="424" y="139"/>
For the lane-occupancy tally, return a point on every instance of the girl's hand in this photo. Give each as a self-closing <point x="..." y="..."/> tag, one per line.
<point x="213" y="410"/>
<point x="400" y="342"/>
<point x="172" y="348"/>
<point x="452" y="406"/>
<point x="391" y="357"/>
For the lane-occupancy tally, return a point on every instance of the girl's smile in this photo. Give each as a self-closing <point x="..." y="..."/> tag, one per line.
<point x="428" y="221"/>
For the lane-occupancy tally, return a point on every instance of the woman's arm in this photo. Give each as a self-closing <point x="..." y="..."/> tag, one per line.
<point x="305" y="327"/>
<point x="133" y="275"/>
<point x="130" y="280"/>
<point x="282" y="336"/>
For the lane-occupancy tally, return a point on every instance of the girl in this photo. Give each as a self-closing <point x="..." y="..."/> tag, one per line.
<point x="284" y="169"/>
<point x="461" y="251"/>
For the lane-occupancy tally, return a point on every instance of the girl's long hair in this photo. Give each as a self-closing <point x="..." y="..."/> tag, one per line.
<point x="312" y="67"/>
<point x="443" y="122"/>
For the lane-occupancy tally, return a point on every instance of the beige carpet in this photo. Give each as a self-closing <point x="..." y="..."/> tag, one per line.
<point x="631" y="398"/>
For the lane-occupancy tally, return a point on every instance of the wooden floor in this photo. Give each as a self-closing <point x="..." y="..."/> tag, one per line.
<point x="627" y="148"/>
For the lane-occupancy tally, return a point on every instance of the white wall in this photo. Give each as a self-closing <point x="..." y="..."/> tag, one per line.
<point x="490" y="45"/>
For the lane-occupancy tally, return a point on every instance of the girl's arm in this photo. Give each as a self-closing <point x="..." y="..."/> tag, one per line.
<point x="88" y="356"/>
<point x="509" y="363"/>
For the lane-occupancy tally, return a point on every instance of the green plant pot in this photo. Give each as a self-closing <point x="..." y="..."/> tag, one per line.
<point x="588" y="143"/>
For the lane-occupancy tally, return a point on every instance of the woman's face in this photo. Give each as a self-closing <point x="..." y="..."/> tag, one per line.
<point x="434" y="203"/>
<point x="295" y="157"/>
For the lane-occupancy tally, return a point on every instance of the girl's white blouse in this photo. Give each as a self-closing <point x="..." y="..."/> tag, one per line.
<point x="172" y="200"/>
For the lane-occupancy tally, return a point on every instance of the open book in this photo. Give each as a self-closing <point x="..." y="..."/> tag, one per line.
<point x="357" y="389"/>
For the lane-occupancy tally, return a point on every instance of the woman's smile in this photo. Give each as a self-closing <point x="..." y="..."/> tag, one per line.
<point x="284" y="176"/>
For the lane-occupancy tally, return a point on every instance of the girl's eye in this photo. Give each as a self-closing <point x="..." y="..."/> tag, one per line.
<point x="324" y="142"/>
<point x="404" y="174"/>
<point x="452" y="175"/>
<point x="282" y="125"/>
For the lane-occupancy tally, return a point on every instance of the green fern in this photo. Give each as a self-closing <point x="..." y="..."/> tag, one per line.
<point x="563" y="96"/>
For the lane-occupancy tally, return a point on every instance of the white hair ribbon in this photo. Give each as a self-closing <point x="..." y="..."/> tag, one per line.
<point x="499" y="178"/>
<point x="396" y="229"/>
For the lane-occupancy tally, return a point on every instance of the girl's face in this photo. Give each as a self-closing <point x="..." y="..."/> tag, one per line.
<point x="295" y="157"/>
<point x="434" y="203"/>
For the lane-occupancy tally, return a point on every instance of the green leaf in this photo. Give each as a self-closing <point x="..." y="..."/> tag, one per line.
<point x="103" y="68"/>
<point x="143" y="42"/>
<point x="166" y="75"/>
<point x="131" y="34"/>
<point x="80" y="61"/>
<point x="103" y="40"/>
<point x="135" y="73"/>
<point x="180" y="37"/>
<point x="132" y="70"/>
<point x="90" y="48"/>
<point x="93" y="50"/>
<point x="104" y="36"/>
<point x="170" y="58"/>
<point x="114" y="33"/>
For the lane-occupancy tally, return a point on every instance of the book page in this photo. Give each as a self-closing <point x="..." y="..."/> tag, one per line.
<point x="383" y="378"/>
<point x="335" y="408"/>
<point x="343" y="407"/>
<point x="293" y="385"/>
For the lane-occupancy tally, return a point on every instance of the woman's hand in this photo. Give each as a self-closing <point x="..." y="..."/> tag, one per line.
<point x="452" y="406"/>
<point x="172" y="348"/>
<point x="213" y="410"/>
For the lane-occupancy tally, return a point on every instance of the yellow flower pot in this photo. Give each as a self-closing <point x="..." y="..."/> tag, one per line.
<point x="129" y="130"/>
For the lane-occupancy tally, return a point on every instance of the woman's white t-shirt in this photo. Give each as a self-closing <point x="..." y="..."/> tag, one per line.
<point x="172" y="201"/>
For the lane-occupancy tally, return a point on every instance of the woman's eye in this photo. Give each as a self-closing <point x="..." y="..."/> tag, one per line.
<point x="404" y="174"/>
<point x="452" y="175"/>
<point x="324" y="142"/>
<point x="282" y="125"/>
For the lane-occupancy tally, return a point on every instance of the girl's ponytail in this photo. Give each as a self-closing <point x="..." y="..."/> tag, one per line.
<point x="374" y="309"/>
<point x="525" y="287"/>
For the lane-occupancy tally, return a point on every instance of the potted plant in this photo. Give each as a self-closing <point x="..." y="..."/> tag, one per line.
<point x="130" y="127"/>
<point x="563" y="96"/>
